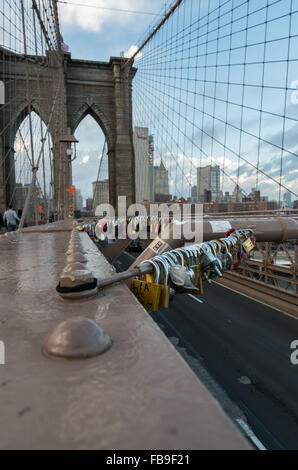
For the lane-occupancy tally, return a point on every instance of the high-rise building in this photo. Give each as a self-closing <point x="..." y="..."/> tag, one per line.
<point x="100" y="193"/>
<point x="161" y="183"/>
<point x="194" y="193"/>
<point x="144" y="148"/>
<point x="288" y="200"/>
<point x="89" y="202"/>
<point x="78" y="200"/>
<point x="237" y="194"/>
<point x="254" y="195"/>
<point x="208" y="182"/>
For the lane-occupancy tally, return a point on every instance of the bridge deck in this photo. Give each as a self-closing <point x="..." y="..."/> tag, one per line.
<point x="139" y="394"/>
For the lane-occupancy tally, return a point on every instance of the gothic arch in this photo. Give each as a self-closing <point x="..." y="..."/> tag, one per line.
<point x="103" y="122"/>
<point x="19" y="116"/>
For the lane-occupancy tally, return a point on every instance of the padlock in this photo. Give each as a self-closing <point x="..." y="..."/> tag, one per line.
<point x="248" y="245"/>
<point x="147" y="293"/>
<point x="227" y="259"/>
<point x="220" y="248"/>
<point x="199" y="280"/>
<point x="234" y="252"/>
<point x="178" y="256"/>
<point x="209" y="262"/>
<point x="178" y="275"/>
<point x="195" y="267"/>
<point x="171" y="262"/>
<point x="149" y="278"/>
<point x="165" y="292"/>
<point x="183" y="279"/>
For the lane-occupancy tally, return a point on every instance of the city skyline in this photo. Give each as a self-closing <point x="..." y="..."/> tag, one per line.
<point x="85" y="29"/>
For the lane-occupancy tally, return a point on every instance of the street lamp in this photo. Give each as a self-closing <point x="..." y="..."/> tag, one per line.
<point x="70" y="142"/>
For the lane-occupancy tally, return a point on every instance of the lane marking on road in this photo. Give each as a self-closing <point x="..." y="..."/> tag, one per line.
<point x="195" y="298"/>
<point x="250" y="434"/>
<point x="244" y="380"/>
<point x="256" y="300"/>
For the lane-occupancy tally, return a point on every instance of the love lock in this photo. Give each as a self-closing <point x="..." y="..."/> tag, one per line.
<point x="170" y="262"/>
<point x="148" y="293"/>
<point x="194" y="252"/>
<point x="166" y="293"/>
<point x="183" y="279"/>
<point x="234" y="251"/>
<point x="209" y="262"/>
<point x="248" y="243"/>
<point x="227" y="258"/>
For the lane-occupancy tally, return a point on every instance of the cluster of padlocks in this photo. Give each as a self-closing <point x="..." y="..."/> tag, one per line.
<point x="185" y="269"/>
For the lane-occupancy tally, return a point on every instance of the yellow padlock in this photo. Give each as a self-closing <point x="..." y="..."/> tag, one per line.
<point x="199" y="280"/>
<point x="147" y="294"/>
<point x="248" y="246"/>
<point x="149" y="278"/>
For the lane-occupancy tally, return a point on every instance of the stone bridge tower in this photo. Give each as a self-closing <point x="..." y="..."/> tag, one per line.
<point x="104" y="90"/>
<point x="101" y="89"/>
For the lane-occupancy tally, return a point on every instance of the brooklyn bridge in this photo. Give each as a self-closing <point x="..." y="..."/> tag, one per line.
<point x="173" y="324"/>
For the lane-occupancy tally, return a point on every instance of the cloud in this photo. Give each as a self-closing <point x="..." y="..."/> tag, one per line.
<point x="94" y="19"/>
<point x="131" y="51"/>
<point x="85" y="159"/>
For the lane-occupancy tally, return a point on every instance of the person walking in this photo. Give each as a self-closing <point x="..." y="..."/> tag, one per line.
<point x="11" y="218"/>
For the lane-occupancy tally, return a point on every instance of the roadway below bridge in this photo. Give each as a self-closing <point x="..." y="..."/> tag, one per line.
<point x="244" y="346"/>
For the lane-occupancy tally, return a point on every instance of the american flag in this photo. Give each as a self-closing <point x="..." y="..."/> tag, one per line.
<point x="64" y="47"/>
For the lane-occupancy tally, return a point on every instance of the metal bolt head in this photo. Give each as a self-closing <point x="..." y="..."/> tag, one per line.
<point x="77" y="338"/>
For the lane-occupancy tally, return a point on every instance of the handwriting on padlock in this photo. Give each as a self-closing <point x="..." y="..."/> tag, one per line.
<point x="147" y="294"/>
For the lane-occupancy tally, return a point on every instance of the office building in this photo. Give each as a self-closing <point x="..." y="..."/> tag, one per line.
<point x="161" y="183"/>
<point x="288" y="200"/>
<point x="78" y="200"/>
<point x="144" y="149"/>
<point x="208" y="183"/>
<point x="100" y="193"/>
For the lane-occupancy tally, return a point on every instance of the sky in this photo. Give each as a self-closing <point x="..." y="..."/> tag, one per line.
<point x="217" y="84"/>
<point x="97" y="34"/>
<point x="220" y="88"/>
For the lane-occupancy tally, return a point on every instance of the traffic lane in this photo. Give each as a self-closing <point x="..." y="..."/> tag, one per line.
<point x="237" y="338"/>
<point x="269" y="334"/>
<point x="229" y="332"/>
